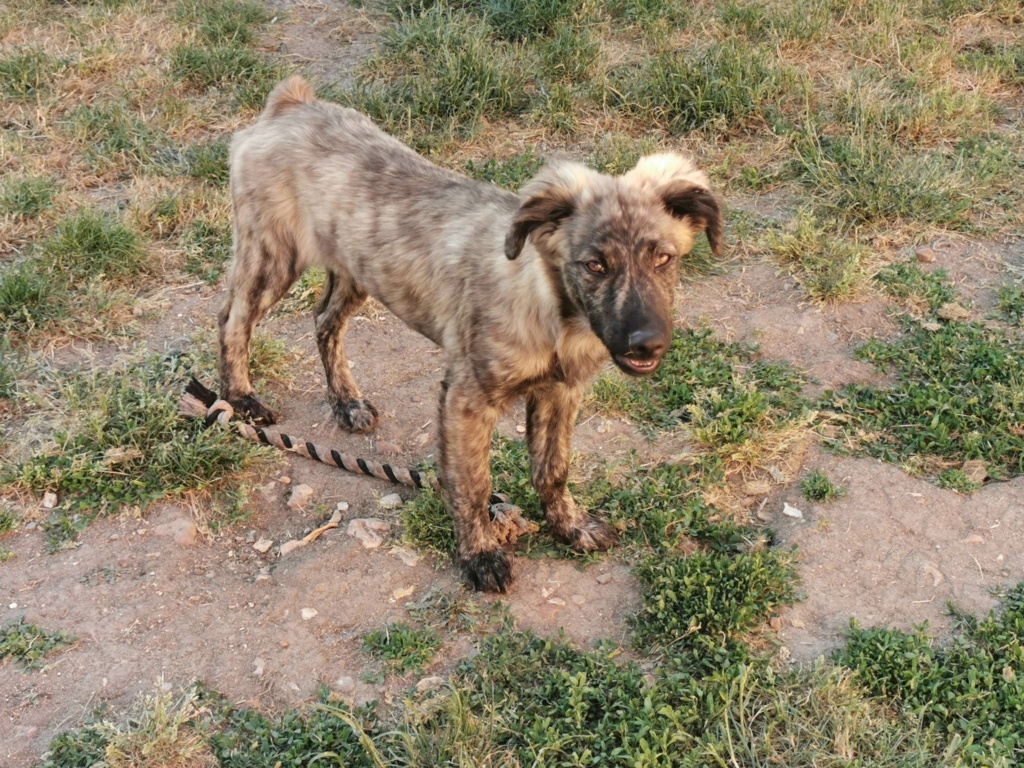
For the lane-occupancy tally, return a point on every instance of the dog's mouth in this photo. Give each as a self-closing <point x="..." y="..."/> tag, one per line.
<point x="637" y="366"/>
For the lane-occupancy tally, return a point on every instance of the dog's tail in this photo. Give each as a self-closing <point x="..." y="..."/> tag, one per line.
<point x="292" y="92"/>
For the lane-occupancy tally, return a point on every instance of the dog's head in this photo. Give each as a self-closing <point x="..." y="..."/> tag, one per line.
<point x="613" y="245"/>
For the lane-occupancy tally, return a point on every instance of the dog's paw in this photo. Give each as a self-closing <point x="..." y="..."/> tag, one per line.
<point x="488" y="571"/>
<point x="253" y="410"/>
<point x="356" y="415"/>
<point x="588" y="535"/>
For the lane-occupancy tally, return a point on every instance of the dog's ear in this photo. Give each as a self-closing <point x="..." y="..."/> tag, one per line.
<point x="551" y="197"/>
<point x="685" y="200"/>
<point x="684" y="189"/>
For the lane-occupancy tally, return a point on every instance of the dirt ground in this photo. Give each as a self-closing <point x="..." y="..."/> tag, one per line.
<point x="159" y="601"/>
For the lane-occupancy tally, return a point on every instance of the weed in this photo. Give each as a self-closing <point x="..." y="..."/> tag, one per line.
<point x="957" y="480"/>
<point x="27" y="298"/>
<point x="1010" y="302"/>
<point x="270" y="359"/>
<point x="816" y="486"/>
<point x="650" y="13"/>
<point x="616" y="154"/>
<point x="511" y="173"/>
<point x="957" y="395"/>
<point x="12" y="365"/>
<point x="208" y="162"/>
<point x="927" y="290"/>
<point x="6" y="555"/>
<point x="401" y="647"/>
<point x="557" y="107"/>
<point x="8" y="522"/>
<point x="114" y="136"/>
<point x="829" y="268"/>
<point x="24" y="73"/>
<point x="526" y="19"/>
<point x="207" y="247"/>
<point x="29" y="644"/>
<point x="304" y="294"/>
<point x="970" y="689"/>
<point x="26" y="197"/>
<point x="227" y="66"/>
<point x="219" y="23"/>
<point x="90" y="244"/>
<point x="128" y="447"/>
<point x="163" y="731"/>
<point x="569" y="55"/>
<point x="727" y="82"/>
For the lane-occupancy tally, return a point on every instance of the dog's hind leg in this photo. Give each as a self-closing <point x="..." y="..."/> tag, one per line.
<point x="467" y="421"/>
<point x="550" y="417"/>
<point x="341" y="298"/>
<point x="262" y="272"/>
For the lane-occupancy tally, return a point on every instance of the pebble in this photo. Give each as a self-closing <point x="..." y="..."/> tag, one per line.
<point x="401" y="592"/>
<point x="263" y="546"/>
<point x="258" y="665"/>
<point x="952" y="311"/>
<point x="263" y="574"/>
<point x="925" y="255"/>
<point x="407" y="556"/>
<point x="974" y="538"/>
<point x="931" y="327"/>
<point x="369" y="530"/>
<point x="604" y="578"/>
<point x="341" y="506"/>
<point x="557" y="601"/>
<point x="521" y="429"/>
<point x="429" y="683"/>
<point x="49" y="500"/>
<point x="388" y="448"/>
<point x="391" y="501"/>
<point x="250" y="537"/>
<point x="284" y="643"/>
<point x="578" y="599"/>
<point x="291" y="546"/>
<point x="308" y="613"/>
<point x="976" y="470"/>
<point x="775" y="623"/>
<point x="184" y="532"/>
<point x="300" y="496"/>
<point x="791" y="511"/>
<point x="345" y="683"/>
<point x="284" y="480"/>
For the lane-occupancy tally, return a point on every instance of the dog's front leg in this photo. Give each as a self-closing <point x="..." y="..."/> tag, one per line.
<point x="467" y="421"/>
<point x="550" y="417"/>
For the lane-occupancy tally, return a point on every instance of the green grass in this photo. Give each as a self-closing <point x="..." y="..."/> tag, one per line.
<point x="725" y="84"/>
<point x="113" y="135"/>
<point x="971" y="689"/>
<point x="817" y="486"/>
<point x="957" y="395"/>
<point x="90" y="244"/>
<point x="6" y="555"/>
<point x="26" y="197"/>
<point x="27" y="298"/>
<point x="401" y="647"/>
<point x="208" y="161"/>
<point x="26" y="72"/>
<point x="511" y="173"/>
<point x="828" y="267"/>
<point x="1010" y="302"/>
<point x="243" y="71"/>
<point x="924" y="290"/>
<point x="569" y="55"/>
<point x="29" y="644"/>
<point x="127" y="447"/>
<point x="217" y="23"/>
<point x="207" y="247"/>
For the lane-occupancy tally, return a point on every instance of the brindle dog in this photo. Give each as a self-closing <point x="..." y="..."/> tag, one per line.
<point x="528" y="294"/>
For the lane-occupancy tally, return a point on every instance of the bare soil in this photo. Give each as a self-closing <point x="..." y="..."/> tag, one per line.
<point x="159" y="600"/>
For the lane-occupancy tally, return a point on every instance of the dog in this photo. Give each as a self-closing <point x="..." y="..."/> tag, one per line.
<point x="528" y="295"/>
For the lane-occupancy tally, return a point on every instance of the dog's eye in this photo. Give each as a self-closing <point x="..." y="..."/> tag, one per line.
<point x="596" y="266"/>
<point x="662" y="259"/>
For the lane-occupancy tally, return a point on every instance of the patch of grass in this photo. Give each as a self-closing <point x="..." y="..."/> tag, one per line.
<point x="12" y="363"/>
<point x="218" y="23"/>
<point x="114" y="135"/>
<point x="89" y="244"/>
<point x="241" y="70"/>
<point x="127" y="447"/>
<point x="649" y="14"/>
<point x="526" y="19"/>
<point x="26" y="72"/>
<point x="402" y="648"/>
<point x="510" y="173"/>
<point x="8" y="522"/>
<point x="726" y="83"/>
<point x="207" y="247"/>
<point x="270" y="359"/>
<point x="28" y="299"/>
<point x="971" y="689"/>
<point x="957" y="480"/>
<point x="304" y="294"/>
<point x="6" y="555"/>
<point x="208" y="161"/>
<point x="29" y="644"/>
<point x="958" y="395"/>
<point x="924" y="290"/>
<point x="817" y="486"/>
<point x="617" y="153"/>
<point x="1010" y="303"/>
<point x="569" y="55"/>
<point x="829" y="268"/>
<point x="26" y="197"/>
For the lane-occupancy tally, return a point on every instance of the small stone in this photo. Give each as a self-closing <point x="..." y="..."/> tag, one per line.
<point x="258" y="666"/>
<point x="429" y="683"/>
<point x="976" y="471"/>
<point x="12" y="606"/>
<point x="345" y="684"/>
<point x="798" y="623"/>
<point x="263" y="546"/>
<point x="263" y="574"/>
<point x="184" y="532"/>
<point x="604" y="578"/>
<point x="952" y="311"/>
<point x="369" y="530"/>
<point x="49" y="500"/>
<point x="391" y="501"/>
<point x="250" y="537"/>
<point x="931" y="327"/>
<point x="925" y="255"/>
<point x="791" y="511"/>
<point x="777" y="474"/>
<point x="521" y="429"/>
<point x="284" y="643"/>
<point x="341" y="506"/>
<point x="757" y="488"/>
<point x="557" y="601"/>
<point x="775" y="623"/>
<point x="300" y="496"/>
<point x="930" y="569"/>
<point x="308" y="613"/>
<point x="578" y="599"/>
<point x="291" y="546"/>
<point x="387" y="448"/>
<point x="402" y="592"/>
<point x="284" y="480"/>
<point x="974" y="538"/>
<point x="407" y="556"/>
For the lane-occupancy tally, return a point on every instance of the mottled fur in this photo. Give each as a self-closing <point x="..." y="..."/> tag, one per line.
<point x="527" y="294"/>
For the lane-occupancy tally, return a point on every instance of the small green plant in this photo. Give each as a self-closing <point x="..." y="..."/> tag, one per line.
<point x="29" y="644"/>
<point x="26" y="72"/>
<point x="89" y="244"/>
<point x="829" y="268"/>
<point x="304" y="294"/>
<point x="816" y="486"/>
<point x="957" y="480"/>
<point x="569" y="55"/>
<point x="402" y="647"/>
<point x="27" y="298"/>
<point x="218" y="23"/>
<point x="26" y="197"/>
<point x="6" y="555"/>
<point x="907" y="280"/>
<point x="246" y="72"/>
<point x="525" y="19"/>
<point x="1010" y="302"/>
<point x="8" y="522"/>
<point x="207" y="247"/>
<point x="208" y="162"/>
<point x="510" y="173"/>
<point x="113" y="135"/>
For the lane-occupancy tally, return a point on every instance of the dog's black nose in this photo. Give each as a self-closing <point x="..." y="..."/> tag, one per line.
<point x="646" y="344"/>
